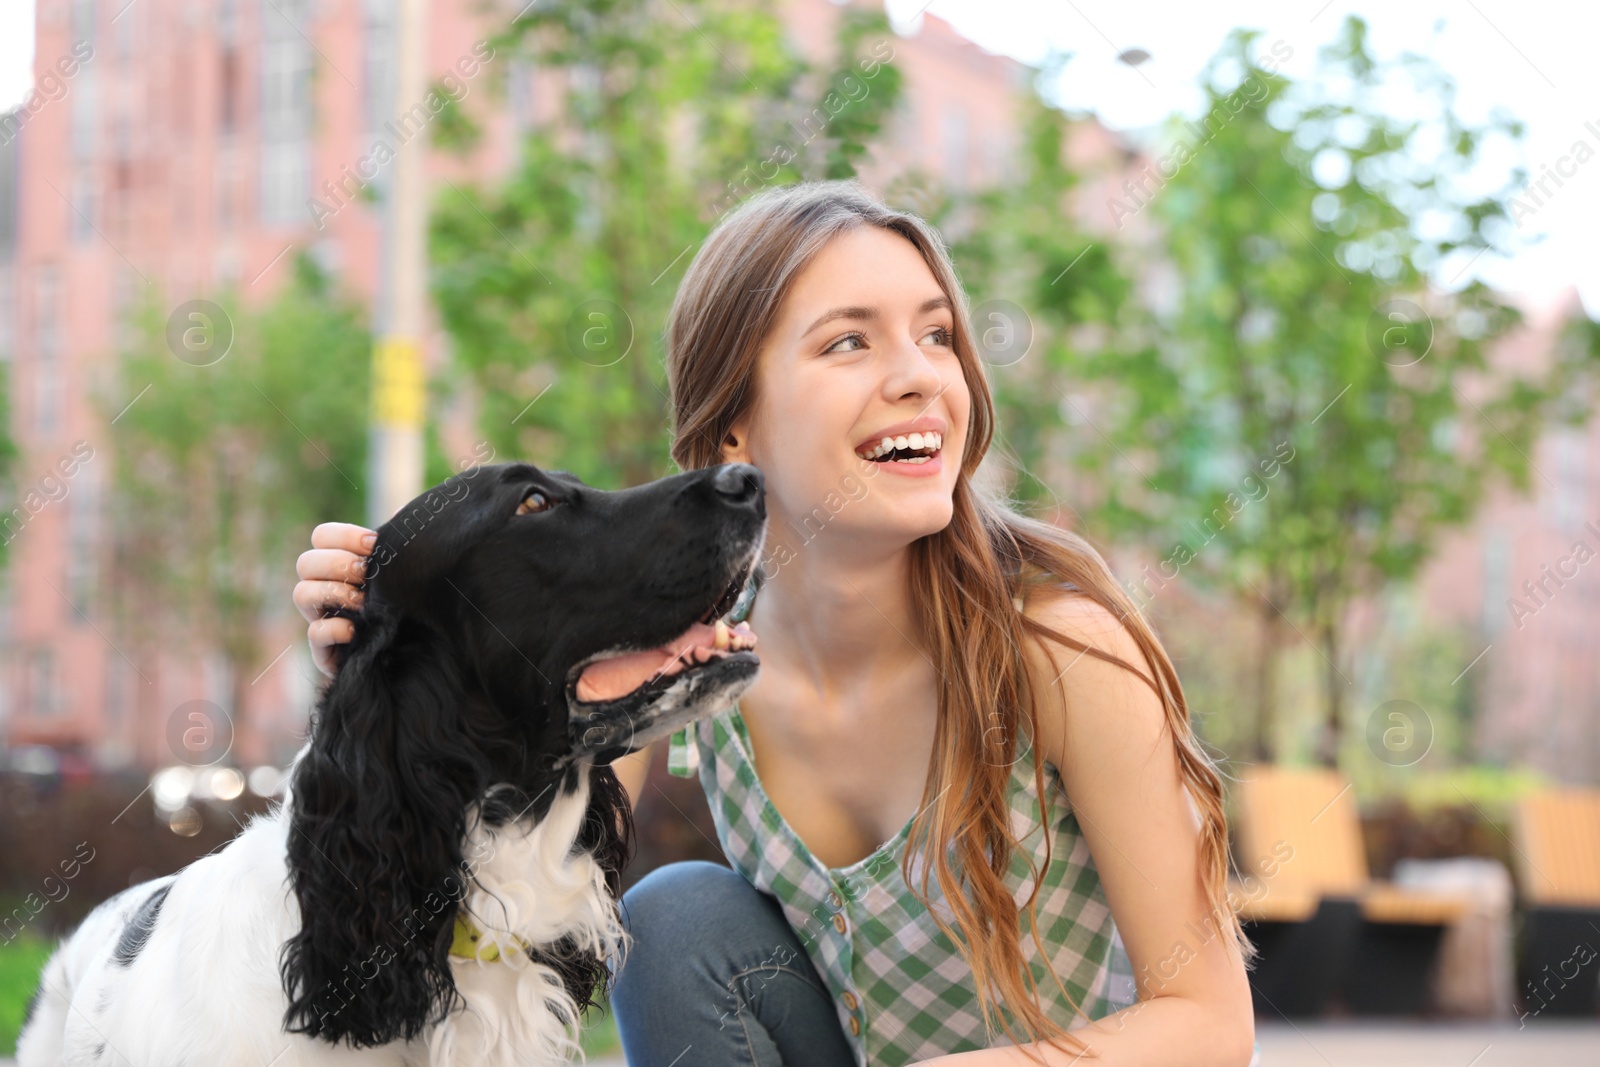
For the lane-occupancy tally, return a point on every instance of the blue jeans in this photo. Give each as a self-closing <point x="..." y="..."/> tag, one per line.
<point x="716" y="977"/>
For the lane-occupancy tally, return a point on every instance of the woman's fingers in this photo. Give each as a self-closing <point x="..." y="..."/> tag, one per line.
<point x="329" y="573"/>
<point x="314" y="599"/>
<point x="331" y="565"/>
<point x="345" y="535"/>
<point x="324" y="635"/>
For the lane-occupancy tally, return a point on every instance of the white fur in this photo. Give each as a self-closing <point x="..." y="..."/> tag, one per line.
<point x="205" y="988"/>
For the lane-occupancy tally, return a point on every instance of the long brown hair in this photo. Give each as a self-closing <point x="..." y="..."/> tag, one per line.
<point x="964" y="580"/>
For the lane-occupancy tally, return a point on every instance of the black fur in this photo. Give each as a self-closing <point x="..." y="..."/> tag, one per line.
<point x="139" y="927"/>
<point x="454" y="693"/>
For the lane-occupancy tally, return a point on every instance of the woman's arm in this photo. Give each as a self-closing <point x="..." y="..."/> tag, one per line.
<point x="1119" y="765"/>
<point x="631" y="771"/>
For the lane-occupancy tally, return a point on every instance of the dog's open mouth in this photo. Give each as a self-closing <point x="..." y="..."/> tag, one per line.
<point x="614" y="677"/>
<point x="622" y="699"/>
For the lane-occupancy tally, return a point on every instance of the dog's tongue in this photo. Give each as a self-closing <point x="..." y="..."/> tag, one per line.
<point x="617" y="676"/>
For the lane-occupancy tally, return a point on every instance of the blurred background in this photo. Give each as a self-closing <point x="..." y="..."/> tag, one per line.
<point x="1289" y="308"/>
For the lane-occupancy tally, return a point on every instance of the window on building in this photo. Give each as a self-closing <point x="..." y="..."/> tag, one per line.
<point x="117" y="749"/>
<point x="47" y="350"/>
<point x="124" y="24"/>
<point x="85" y="112"/>
<point x="226" y="185"/>
<point x="228" y="84"/>
<point x="83" y="20"/>
<point x="285" y="181"/>
<point x="378" y="71"/>
<point x="905" y="125"/>
<point x="228" y="21"/>
<point x="8" y="602"/>
<point x="953" y="140"/>
<point x="124" y="297"/>
<point x="1569" y="499"/>
<point x="83" y="520"/>
<point x="286" y="111"/>
<point x="43" y="685"/>
<point x="519" y="94"/>
<point x="84" y="203"/>
<point x="8" y="311"/>
<point x="1496" y="579"/>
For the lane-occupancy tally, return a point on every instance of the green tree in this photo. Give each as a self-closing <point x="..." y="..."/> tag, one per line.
<point x="1307" y="358"/>
<point x="12" y="507"/>
<point x="1044" y="289"/>
<point x="224" y="458"/>
<point x="559" y="278"/>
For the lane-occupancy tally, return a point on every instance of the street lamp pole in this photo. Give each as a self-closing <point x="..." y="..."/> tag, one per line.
<point x="398" y="383"/>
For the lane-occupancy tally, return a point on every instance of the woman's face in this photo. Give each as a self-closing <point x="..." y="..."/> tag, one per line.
<point x="862" y="350"/>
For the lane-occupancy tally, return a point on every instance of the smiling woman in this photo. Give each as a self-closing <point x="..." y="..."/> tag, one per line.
<point x="820" y="332"/>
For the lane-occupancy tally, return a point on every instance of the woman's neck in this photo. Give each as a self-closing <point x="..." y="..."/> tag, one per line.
<point x="839" y="624"/>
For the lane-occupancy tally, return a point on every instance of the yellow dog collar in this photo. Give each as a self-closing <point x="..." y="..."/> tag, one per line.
<point x="465" y="943"/>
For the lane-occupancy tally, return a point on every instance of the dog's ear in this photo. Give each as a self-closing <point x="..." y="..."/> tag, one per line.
<point x="377" y="818"/>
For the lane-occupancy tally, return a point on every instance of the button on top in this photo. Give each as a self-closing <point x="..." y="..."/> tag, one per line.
<point x="838" y="921"/>
<point x="834" y="896"/>
<point x="849" y="999"/>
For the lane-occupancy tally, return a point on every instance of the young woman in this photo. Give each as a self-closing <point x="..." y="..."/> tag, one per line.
<point x="932" y="664"/>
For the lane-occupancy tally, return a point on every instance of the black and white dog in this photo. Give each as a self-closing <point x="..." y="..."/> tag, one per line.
<point x="440" y="884"/>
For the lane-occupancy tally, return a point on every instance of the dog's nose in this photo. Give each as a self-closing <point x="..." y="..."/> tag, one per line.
<point x="738" y="483"/>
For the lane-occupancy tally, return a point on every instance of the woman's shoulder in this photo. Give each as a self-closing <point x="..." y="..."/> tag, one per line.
<point x="1065" y="678"/>
<point x="1063" y="607"/>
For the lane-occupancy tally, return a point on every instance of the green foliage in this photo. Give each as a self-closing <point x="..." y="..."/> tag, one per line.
<point x="560" y="277"/>
<point x="9" y="457"/>
<point x="856" y="104"/>
<point x="1493" y="790"/>
<point x="221" y="468"/>
<point x="1019" y="247"/>
<point x="1294" y="228"/>
<point x="22" y="960"/>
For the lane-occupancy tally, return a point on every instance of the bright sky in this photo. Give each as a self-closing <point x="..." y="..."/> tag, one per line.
<point x="1532" y="59"/>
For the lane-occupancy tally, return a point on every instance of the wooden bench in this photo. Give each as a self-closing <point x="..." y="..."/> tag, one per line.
<point x="1558" y="876"/>
<point x="1321" y="922"/>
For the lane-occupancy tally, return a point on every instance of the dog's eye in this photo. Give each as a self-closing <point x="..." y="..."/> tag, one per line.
<point x="534" y="501"/>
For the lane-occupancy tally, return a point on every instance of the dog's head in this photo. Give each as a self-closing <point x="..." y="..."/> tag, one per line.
<point x="520" y="629"/>
<point x="580" y="607"/>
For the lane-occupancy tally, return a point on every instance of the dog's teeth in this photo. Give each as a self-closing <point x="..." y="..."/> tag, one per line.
<point x="723" y="636"/>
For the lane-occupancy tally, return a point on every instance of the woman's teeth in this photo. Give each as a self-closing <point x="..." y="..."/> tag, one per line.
<point x="925" y="443"/>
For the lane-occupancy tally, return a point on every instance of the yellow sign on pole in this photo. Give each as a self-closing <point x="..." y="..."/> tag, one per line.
<point x="398" y="391"/>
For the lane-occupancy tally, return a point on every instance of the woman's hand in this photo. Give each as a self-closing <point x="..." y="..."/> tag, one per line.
<point x="329" y="573"/>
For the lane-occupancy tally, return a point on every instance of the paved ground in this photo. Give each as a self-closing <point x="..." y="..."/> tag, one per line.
<point x="1350" y="1044"/>
<point x="1347" y="1044"/>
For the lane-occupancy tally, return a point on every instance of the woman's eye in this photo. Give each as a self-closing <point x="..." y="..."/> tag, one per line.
<point x="943" y="335"/>
<point x="855" y="337"/>
<point x="534" y="501"/>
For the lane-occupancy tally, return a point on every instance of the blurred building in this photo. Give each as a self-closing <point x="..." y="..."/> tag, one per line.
<point x="182" y="153"/>
<point x="1524" y="580"/>
<point x="177" y="145"/>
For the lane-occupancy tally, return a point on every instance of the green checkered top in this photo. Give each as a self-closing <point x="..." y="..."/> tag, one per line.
<point x="901" y="988"/>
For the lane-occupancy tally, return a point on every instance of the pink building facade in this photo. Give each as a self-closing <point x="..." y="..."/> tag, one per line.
<point x="191" y="146"/>
<point x="188" y="147"/>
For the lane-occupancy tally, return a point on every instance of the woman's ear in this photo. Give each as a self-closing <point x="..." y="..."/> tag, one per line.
<point x="375" y="859"/>
<point x="736" y="444"/>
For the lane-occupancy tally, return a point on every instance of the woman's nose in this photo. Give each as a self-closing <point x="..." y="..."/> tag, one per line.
<point x="913" y="373"/>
